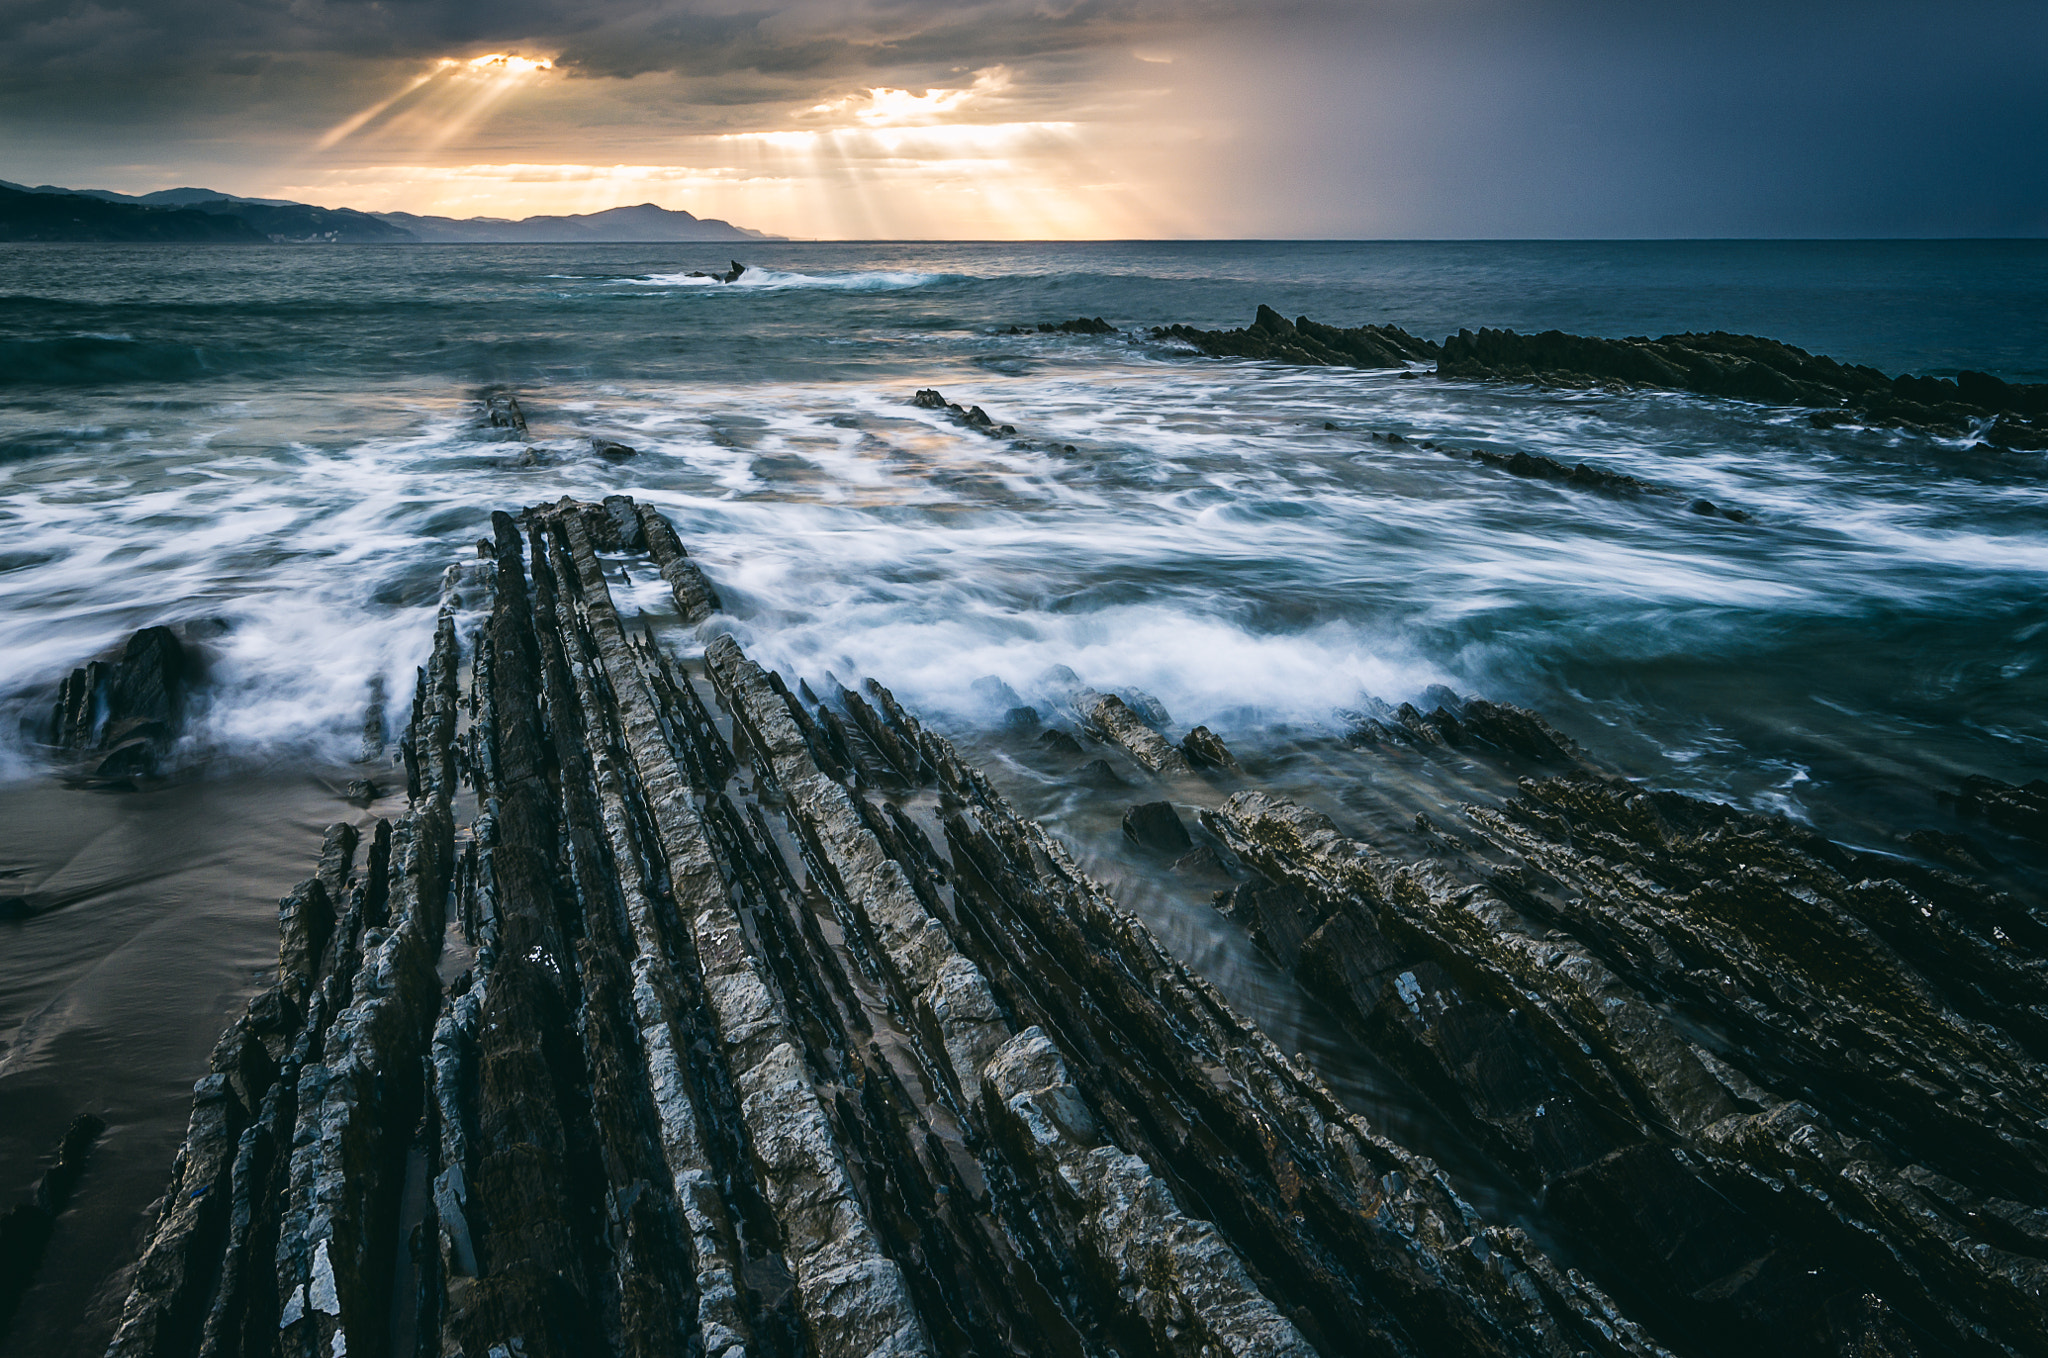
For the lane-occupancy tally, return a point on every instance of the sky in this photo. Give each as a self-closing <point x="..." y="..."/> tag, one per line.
<point x="1038" y="119"/>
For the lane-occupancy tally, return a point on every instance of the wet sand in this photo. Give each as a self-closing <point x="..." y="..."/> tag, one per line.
<point x="151" y="918"/>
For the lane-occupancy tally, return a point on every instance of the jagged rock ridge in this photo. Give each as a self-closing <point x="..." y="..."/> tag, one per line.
<point x="1273" y="336"/>
<point x="1779" y="1094"/>
<point x="783" y="1033"/>
<point x="1740" y="367"/>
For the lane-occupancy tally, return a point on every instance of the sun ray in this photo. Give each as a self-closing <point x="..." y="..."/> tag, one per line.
<point x="348" y="127"/>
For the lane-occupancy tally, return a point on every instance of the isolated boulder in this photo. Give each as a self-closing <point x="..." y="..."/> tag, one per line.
<point x="130" y="705"/>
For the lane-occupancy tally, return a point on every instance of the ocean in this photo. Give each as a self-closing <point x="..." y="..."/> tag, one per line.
<point x="281" y="447"/>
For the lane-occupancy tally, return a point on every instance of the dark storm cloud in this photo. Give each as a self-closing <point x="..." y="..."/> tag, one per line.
<point x="1825" y="118"/>
<point x="53" y="39"/>
<point x="1333" y="117"/>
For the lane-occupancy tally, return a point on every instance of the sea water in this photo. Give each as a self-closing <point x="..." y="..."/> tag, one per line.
<point x="282" y="447"/>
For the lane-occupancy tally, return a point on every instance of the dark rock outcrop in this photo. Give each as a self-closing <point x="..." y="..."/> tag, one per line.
<point x="1059" y="741"/>
<point x="1156" y="825"/>
<point x="1114" y="719"/>
<point x="1749" y="368"/>
<point x="1080" y="325"/>
<point x="1465" y="723"/>
<point x="26" y="1228"/>
<point x="1738" y="367"/>
<point x="2022" y="810"/>
<point x="731" y="275"/>
<point x="1711" y="1041"/>
<point x="1550" y="469"/>
<point x="970" y="417"/>
<point x="774" y="1028"/>
<point x="127" y="708"/>
<point x="1205" y="750"/>
<point x="783" y="1033"/>
<point x="501" y="411"/>
<point x="612" y="449"/>
<point x="1273" y="336"/>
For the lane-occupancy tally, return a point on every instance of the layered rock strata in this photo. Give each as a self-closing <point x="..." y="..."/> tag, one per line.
<point x="1739" y="367"/>
<point x="1750" y="368"/>
<point x="1273" y="336"/>
<point x="782" y="1033"/>
<point x="1776" y="1094"/>
<point x="127" y="708"/>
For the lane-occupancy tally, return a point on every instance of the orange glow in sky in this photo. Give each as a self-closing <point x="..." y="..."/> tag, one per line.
<point x="942" y="162"/>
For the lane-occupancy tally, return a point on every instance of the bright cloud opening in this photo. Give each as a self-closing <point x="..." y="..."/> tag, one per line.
<point x="942" y="162"/>
<point x="882" y="107"/>
<point x="502" y="63"/>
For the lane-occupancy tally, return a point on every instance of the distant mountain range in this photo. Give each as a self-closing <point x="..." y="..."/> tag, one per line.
<point x="49" y="213"/>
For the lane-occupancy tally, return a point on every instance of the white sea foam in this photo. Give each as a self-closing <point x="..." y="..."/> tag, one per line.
<point x="865" y="280"/>
<point x="1196" y="534"/>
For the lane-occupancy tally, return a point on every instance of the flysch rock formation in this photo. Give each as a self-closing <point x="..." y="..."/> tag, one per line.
<point x="741" y="1020"/>
<point x="1273" y="336"/>
<point x="1975" y="405"/>
<point x="1778" y="1095"/>
<point x="738" y="1020"/>
<point x="1751" y="368"/>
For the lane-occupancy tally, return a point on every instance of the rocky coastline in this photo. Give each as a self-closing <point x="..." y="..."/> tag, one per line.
<point x="1976" y="405"/>
<point x="693" y="1008"/>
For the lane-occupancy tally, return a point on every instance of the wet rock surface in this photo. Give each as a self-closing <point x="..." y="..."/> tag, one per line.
<point x="124" y="711"/>
<point x="1749" y="368"/>
<point x="1273" y="336"/>
<point x="1740" y="367"/>
<point x="1774" y="1093"/>
<point x="730" y="274"/>
<point x="766" y="1025"/>
<point x="501" y="410"/>
<point x="1581" y="476"/>
<point x="1080" y="325"/>
<point x="2021" y="810"/>
<point x="25" y="1228"/>
<point x="968" y="417"/>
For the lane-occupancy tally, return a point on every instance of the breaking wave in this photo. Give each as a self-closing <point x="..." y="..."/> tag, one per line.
<point x="865" y="280"/>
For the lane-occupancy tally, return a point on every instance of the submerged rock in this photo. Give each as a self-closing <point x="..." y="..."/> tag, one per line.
<point x="1156" y="825"/>
<point x="1058" y="741"/>
<point x="1080" y="325"/>
<point x="1101" y="775"/>
<point x="26" y="1228"/>
<point x="501" y="411"/>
